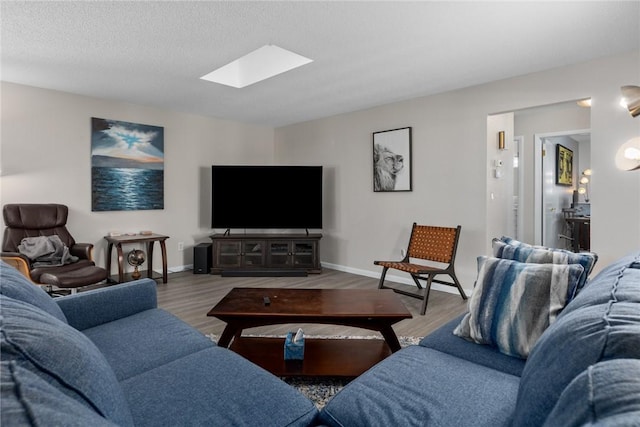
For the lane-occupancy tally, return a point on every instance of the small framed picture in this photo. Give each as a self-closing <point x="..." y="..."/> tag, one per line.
<point x="564" y="165"/>
<point x="392" y="160"/>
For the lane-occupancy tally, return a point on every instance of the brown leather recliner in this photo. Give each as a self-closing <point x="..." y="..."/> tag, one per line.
<point x="33" y="220"/>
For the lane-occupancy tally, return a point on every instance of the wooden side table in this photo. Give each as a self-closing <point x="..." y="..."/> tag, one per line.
<point x="150" y="240"/>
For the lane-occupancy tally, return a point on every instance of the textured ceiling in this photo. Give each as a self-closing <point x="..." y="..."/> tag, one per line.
<point x="365" y="53"/>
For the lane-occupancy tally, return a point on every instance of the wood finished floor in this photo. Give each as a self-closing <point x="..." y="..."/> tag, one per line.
<point x="190" y="296"/>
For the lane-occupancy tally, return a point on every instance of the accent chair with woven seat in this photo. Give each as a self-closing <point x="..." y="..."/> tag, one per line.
<point x="28" y="222"/>
<point x="437" y="245"/>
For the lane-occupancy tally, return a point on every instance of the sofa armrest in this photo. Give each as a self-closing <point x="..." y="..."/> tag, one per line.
<point x="82" y="251"/>
<point x="91" y="308"/>
<point x="19" y="262"/>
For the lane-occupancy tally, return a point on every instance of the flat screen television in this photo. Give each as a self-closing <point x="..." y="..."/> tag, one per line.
<point x="267" y="197"/>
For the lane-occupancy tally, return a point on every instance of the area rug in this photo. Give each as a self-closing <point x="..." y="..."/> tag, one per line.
<point x="321" y="389"/>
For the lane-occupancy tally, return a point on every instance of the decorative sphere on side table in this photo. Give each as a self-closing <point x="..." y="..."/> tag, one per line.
<point x="136" y="258"/>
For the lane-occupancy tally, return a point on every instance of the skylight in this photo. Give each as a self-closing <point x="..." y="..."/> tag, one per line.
<point x="261" y="64"/>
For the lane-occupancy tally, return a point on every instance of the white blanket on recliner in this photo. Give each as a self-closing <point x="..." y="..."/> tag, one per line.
<point x="46" y="251"/>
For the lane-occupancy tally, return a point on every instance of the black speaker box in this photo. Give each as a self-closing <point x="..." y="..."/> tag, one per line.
<point x="202" y="258"/>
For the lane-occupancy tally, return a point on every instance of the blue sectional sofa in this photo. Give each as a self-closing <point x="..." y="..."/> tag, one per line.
<point x="110" y="357"/>
<point x="583" y="370"/>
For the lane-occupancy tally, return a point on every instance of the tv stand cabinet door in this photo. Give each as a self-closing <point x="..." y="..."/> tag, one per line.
<point x="279" y="254"/>
<point x="304" y="254"/>
<point x="253" y="254"/>
<point x="297" y="253"/>
<point x="237" y="254"/>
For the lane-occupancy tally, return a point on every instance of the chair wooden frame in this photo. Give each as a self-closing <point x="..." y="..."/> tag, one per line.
<point x="429" y="243"/>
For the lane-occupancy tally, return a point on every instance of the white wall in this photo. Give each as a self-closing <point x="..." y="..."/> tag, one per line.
<point x="499" y="192"/>
<point x="450" y="165"/>
<point x="46" y="158"/>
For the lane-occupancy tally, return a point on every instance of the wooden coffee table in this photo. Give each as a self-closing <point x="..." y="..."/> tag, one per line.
<point x="375" y="309"/>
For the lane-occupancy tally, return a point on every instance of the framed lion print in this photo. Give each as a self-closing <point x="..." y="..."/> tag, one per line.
<point x="392" y="160"/>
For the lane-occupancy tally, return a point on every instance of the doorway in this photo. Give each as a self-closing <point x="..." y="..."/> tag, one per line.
<point x="515" y="206"/>
<point x="555" y="202"/>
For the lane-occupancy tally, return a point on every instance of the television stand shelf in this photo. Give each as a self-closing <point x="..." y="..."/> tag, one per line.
<point x="265" y="254"/>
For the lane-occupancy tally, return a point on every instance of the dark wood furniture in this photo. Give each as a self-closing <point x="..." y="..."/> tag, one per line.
<point x="580" y="232"/>
<point x="432" y="244"/>
<point x="150" y="240"/>
<point x="266" y="254"/>
<point x="372" y="309"/>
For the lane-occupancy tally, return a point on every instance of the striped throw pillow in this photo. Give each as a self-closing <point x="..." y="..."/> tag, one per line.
<point x="513" y="303"/>
<point x="509" y="248"/>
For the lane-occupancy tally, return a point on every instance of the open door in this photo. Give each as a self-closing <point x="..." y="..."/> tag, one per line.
<point x="552" y="200"/>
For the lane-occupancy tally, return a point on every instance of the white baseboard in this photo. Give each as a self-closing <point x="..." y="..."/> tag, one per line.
<point x="179" y="268"/>
<point x="406" y="280"/>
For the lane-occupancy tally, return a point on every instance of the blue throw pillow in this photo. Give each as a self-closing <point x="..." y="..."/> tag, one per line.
<point x="29" y="400"/>
<point x="513" y="303"/>
<point x="14" y="285"/>
<point x="605" y="394"/>
<point x="63" y="357"/>
<point x="508" y="248"/>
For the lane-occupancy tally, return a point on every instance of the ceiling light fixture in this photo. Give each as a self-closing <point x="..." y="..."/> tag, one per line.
<point x="261" y="64"/>
<point x="586" y="103"/>
<point x="631" y="99"/>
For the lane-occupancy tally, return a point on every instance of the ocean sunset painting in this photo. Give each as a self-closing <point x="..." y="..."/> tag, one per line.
<point x="127" y="166"/>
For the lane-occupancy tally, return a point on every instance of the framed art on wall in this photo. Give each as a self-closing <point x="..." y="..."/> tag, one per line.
<point x="127" y="166"/>
<point x="564" y="165"/>
<point x="392" y="160"/>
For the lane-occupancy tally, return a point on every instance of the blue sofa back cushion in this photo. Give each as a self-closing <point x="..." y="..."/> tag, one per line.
<point x="103" y="305"/>
<point x="29" y="400"/>
<point x="607" y="394"/>
<point x="508" y="248"/>
<point x="14" y="285"/>
<point x="63" y="357"/>
<point x="625" y="273"/>
<point x="580" y="338"/>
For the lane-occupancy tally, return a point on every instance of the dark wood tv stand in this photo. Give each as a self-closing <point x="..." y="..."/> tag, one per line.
<point x="265" y="254"/>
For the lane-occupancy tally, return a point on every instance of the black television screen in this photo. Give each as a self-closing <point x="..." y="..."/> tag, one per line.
<point x="266" y="197"/>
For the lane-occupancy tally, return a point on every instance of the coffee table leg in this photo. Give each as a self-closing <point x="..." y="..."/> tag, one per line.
<point x="229" y="332"/>
<point x="391" y="338"/>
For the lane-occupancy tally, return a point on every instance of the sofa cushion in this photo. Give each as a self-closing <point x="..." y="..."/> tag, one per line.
<point x="215" y="387"/>
<point x="606" y="394"/>
<point x="514" y="302"/>
<point x="16" y="286"/>
<point x="29" y="400"/>
<point x="420" y="386"/>
<point x="91" y="308"/>
<point x="158" y="335"/>
<point x="508" y="248"/>
<point x="62" y="356"/>
<point x="443" y="339"/>
<point x="624" y="273"/>
<point x="580" y="338"/>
